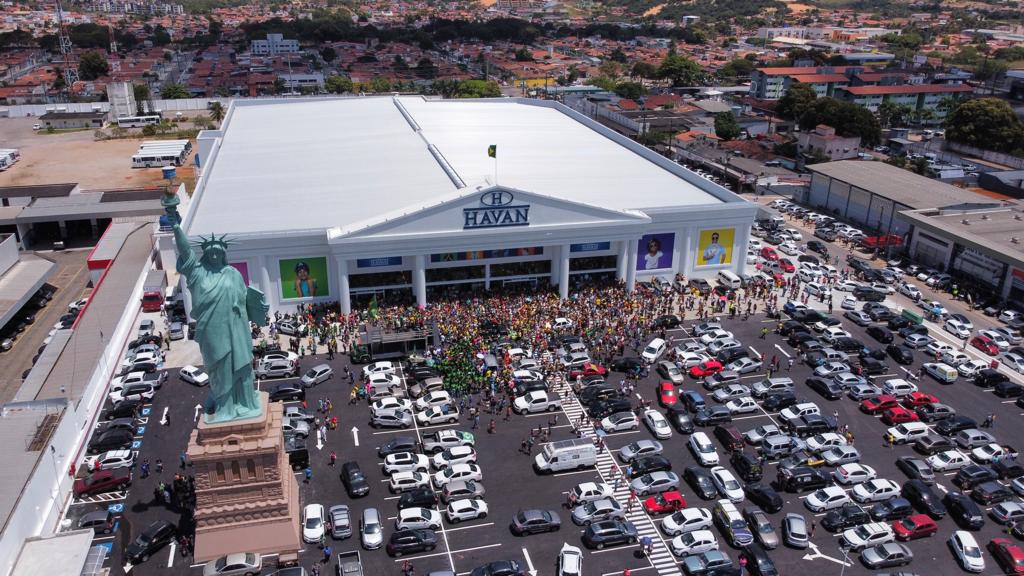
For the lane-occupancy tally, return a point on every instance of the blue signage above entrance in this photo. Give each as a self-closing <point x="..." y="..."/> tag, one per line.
<point x="379" y="262"/>
<point x="590" y="247"/>
<point x="496" y="211"/>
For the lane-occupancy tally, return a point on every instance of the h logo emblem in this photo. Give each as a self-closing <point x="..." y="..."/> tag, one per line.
<point x="496" y="198"/>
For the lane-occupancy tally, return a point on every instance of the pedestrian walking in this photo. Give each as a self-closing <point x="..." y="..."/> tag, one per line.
<point x="812" y="529"/>
<point x="183" y="459"/>
<point x="144" y="468"/>
<point x="167" y="419"/>
<point x="327" y="554"/>
<point x="492" y="427"/>
<point x="159" y="465"/>
<point x="308" y="472"/>
<point x="789" y="365"/>
<point x="334" y="457"/>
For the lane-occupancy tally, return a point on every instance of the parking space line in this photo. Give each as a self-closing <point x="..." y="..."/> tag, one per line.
<point x="484" y="525"/>
<point x="615" y="548"/>
<point x="449" y="553"/>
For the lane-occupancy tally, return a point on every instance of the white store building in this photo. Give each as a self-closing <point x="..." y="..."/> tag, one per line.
<point x="340" y="199"/>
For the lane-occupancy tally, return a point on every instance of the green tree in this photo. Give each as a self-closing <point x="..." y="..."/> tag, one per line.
<point x="524" y="55"/>
<point x="609" y="69"/>
<point x="328" y="54"/>
<point x="398" y="63"/>
<point x="726" y="127"/>
<point x="216" y="111"/>
<point x="338" y="84"/>
<point x="619" y="56"/>
<point x="478" y="89"/>
<point x="991" y="69"/>
<point x="142" y="96"/>
<point x="91" y="66"/>
<point x="160" y="36"/>
<point x="847" y="118"/>
<point x="174" y="92"/>
<point x="602" y="82"/>
<point x="631" y="90"/>
<point x="644" y="70"/>
<point x="739" y="67"/>
<point x="426" y="69"/>
<point x="680" y="70"/>
<point x="892" y="114"/>
<point x="380" y="84"/>
<point x="795" y="101"/>
<point x="988" y="123"/>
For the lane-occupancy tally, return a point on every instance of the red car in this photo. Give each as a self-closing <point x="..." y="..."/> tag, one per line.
<point x="899" y="415"/>
<point x="880" y="404"/>
<point x="1008" y="555"/>
<point x="589" y="369"/>
<point x="103" y="481"/>
<point x="787" y="266"/>
<point x="985" y="344"/>
<point x="667" y="394"/>
<point x="914" y="527"/>
<point x="769" y="253"/>
<point x="706" y="368"/>
<point x="665" y="503"/>
<point x="915" y="399"/>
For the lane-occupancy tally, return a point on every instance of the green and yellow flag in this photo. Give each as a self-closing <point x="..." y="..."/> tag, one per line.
<point x="492" y="151"/>
<point x="374" y="308"/>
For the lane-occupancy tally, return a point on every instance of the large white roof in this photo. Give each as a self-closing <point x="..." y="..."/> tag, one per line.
<point x="311" y="165"/>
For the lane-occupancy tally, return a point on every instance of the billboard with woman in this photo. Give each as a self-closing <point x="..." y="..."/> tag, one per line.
<point x="715" y="246"/>
<point x="304" y="278"/>
<point x="654" y="251"/>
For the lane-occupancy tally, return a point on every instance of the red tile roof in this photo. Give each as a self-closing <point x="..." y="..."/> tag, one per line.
<point x="907" y="89"/>
<point x="818" y="78"/>
<point x="796" y="70"/>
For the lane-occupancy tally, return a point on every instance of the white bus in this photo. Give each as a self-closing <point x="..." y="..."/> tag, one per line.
<point x="158" y="159"/>
<point x="147" y="144"/>
<point x="137" y="121"/>
<point x="8" y="157"/>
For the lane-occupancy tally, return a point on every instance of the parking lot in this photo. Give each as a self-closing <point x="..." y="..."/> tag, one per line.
<point x="512" y="484"/>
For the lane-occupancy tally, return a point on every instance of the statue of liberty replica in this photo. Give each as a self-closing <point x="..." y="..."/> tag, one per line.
<point x="222" y="306"/>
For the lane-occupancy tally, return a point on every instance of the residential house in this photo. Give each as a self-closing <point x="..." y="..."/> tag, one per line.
<point x="823" y="142"/>
<point x="917" y="97"/>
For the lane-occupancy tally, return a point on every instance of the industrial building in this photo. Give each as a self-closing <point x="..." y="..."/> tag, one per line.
<point x="341" y="199"/>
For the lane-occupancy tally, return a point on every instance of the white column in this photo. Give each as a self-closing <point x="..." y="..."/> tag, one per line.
<point x="556" y="272"/>
<point x="419" y="280"/>
<point x="631" y="269"/>
<point x="622" y="261"/>
<point x="265" y="285"/>
<point x="563" y="272"/>
<point x="686" y="263"/>
<point x="344" y="295"/>
<point x="739" y="250"/>
<point x="487" y="277"/>
<point x="1007" y="282"/>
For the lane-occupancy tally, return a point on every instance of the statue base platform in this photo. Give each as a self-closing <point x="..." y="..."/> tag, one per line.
<point x="247" y="498"/>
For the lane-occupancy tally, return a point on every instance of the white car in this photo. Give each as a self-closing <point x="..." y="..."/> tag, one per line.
<point x="833" y="333"/>
<point x="1006" y="316"/>
<point x="956" y="328"/>
<point x="405" y="462"/>
<point x="536" y="401"/>
<point x="1013" y="361"/>
<point x="620" y="421"/>
<point x="457" y="472"/>
<point x="815" y="289"/>
<point x="383" y="367"/>
<point x="826" y="499"/>
<point x="656" y="482"/>
<point x="955" y="358"/>
<point x="562" y="323"/>
<point x="448" y="413"/>
<point x="1012" y="336"/>
<point x="966" y="551"/>
<point x="907" y="432"/>
<point x="756" y="436"/>
<point x="435" y="398"/>
<point x="657" y="424"/>
<point x="405" y="481"/>
<point x="153" y="357"/>
<point x="998" y="339"/>
<point x="454" y="455"/>
<point x="570" y="561"/>
<point x="194" y="376"/>
<point x="910" y="291"/>
<point x="590" y="492"/>
<point x="703" y="449"/>
<point x="417" y="517"/>
<point x="110" y="460"/>
<point x="849" y="303"/>
<point x="391" y="403"/>
<point x="939" y="348"/>
<point x="382" y="379"/>
<point x="693" y="542"/>
<point x="789" y="248"/>
<point x="744" y="365"/>
<point x="948" y="461"/>
<point x="985" y="454"/>
<point x="876" y="490"/>
<point x="741" y="405"/>
<point x="822" y="442"/>
<point x="465" y="509"/>
<point x="689" y="359"/>
<point x="866" y="535"/>
<point x="313" y="523"/>
<point x="686" y="520"/>
<point x="883" y="288"/>
<point x="727" y="484"/>
<point x="971" y="368"/>
<point x="709" y="337"/>
<point x="846" y="285"/>
<point x="831" y="369"/>
<point x="853" y="473"/>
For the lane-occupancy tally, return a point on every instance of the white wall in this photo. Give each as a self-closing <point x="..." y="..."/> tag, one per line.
<point x="8" y="253"/>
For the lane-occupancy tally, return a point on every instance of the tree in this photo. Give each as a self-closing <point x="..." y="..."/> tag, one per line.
<point x="892" y="114"/>
<point x="847" y="118"/>
<point x="726" y="127"/>
<point x="174" y="92"/>
<point x="990" y="69"/>
<point x="91" y="66"/>
<point x="478" y="89"/>
<point x="524" y="55"/>
<point x="216" y="111"/>
<point x="737" y="68"/>
<point x="644" y="70"/>
<point x="798" y="97"/>
<point x="328" y="54"/>
<point x="631" y="90"/>
<point x="380" y="84"/>
<point x="680" y="70"/>
<point x="338" y="84"/>
<point x="426" y="69"/>
<point x="141" y="92"/>
<point x="619" y="56"/>
<point x="609" y="69"/>
<point x="160" y="36"/>
<point x="988" y="123"/>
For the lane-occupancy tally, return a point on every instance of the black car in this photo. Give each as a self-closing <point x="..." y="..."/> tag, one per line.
<point x="868" y="294"/>
<point x="892" y="509"/>
<point x="954" y="424"/>
<point x="881" y="314"/>
<point x="712" y="415"/>
<point x="288" y="391"/>
<point x="812" y="424"/>
<point x="764" y="496"/>
<point x="648" y="464"/>
<point x="609" y="533"/>
<point x="758" y="562"/>
<point x="827" y="388"/>
<point x="596" y="392"/>
<point x="116" y="439"/>
<point x="667" y="321"/>
<point x="1007" y="390"/>
<point x="924" y="499"/>
<point x="730" y="355"/>
<point x="411" y="540"/>
<point x="901" y="354"/>
<point x="987" y="377"/>
<point x="627" y="364"/>
<point x="354" y="480"/>
<point x="747" y="466"/>
<point x="778" y="401"/>
<point x="873" y="367"/>
<point x="499" y="568"/>
<point x="808" y="316"/>
<point x="603" y="408"/>
<point x="701" y="482"/>
<point x="398" y="444"/>
<point x="868" y="353"/>
<point x="973" y="474"/>
<point x="848" y="516"/>
<point x="820" y="248"/>
<point x="524" y="388"/>
<point x="913" y="329"/>
<point x="679" y="417"/>
<point x="797" y="338"/>
<point x="534" y="521"/>
<point x="847" y="344"/>
<point x="152" y="539"/>
<point x="897" y="322"/>
<point x="991" y="493"/>
<point x="802" y="479"/>
<point x="933" y="444"/>
<point x="964" y="511"/>
<point x="1008" y="468"/>
<point x="123" y="409"/>
<point x="422" y="497"/>
<point x="791" y="326"/>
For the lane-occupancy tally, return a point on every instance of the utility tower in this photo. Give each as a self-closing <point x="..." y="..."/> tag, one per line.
<point x="70" y="67"/>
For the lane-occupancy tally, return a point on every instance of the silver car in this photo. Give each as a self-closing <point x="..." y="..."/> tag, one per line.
<point x="295" y="427"/>
<point x="654" y="483"/>
<point x="316" y="375"/>
<point x="391" y="418"/>
<point x="341" y="521"/>
<point x="371" y="531"/>
<point x="670" y="372"/>
<point x="794" y="530"/>
<point x="604" y="509"/>
<point x="234" y="565"/>
<point x="640" y="448"/>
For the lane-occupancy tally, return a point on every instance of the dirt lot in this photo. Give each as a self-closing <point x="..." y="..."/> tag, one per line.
<point x="75" y="157"/>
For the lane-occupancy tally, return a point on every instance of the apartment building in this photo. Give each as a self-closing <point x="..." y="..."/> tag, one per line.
<point x="916" y="97"/>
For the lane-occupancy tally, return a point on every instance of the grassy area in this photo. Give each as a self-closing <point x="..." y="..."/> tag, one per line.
<point x="62" y="130"/>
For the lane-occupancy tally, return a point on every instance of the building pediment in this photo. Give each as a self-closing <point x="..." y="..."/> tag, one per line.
<point x="487" y="210"/>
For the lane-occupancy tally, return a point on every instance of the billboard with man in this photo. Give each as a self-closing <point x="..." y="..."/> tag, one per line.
<point x="714" y="247"/>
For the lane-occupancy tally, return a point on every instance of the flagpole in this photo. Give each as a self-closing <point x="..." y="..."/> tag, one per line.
<point x="495" y="169"/>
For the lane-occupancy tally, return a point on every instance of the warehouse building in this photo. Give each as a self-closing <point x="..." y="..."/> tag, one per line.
<point x="343" y="199"/>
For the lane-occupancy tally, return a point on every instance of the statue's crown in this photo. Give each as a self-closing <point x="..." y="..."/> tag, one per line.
<point x="213" y="242"/>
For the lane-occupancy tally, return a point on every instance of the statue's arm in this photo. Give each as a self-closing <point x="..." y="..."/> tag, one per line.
<point x="186" y="256"/>
<point x="256" y="307"/>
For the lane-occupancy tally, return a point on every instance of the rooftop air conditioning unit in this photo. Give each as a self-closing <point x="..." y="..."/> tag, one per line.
<point x="1015" y="240"/>
<point x="965" y="222"/>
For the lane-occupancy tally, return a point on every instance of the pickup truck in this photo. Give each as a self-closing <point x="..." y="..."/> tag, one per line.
<point x="434" y="442"/>
<point x="156" y="378"/>
<point x="350" y="564"/>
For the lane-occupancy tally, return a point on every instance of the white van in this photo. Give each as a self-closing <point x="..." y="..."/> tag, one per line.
<point x="941" y="371"/>
<point x="566" y="455"/>
<point x="729" y="280"/>
<point x="654" y="350"/>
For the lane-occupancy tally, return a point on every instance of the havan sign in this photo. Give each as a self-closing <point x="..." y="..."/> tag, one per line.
<point x="496" y="211"/>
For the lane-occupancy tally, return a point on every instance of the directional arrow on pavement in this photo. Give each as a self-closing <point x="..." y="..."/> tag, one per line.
<point x="817" y="554"/>
<point x="198" y="408"/>
<point x="529" y="563"/>
<point x="355" y="436"/>
<point x="163" y="420"/>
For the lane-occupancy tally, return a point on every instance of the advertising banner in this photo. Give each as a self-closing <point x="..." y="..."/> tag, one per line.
<point x="715" y="246"/>
<point x="654" y="251"/>
<point x="243" y="269"/>
<point x="304" y="277"/>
